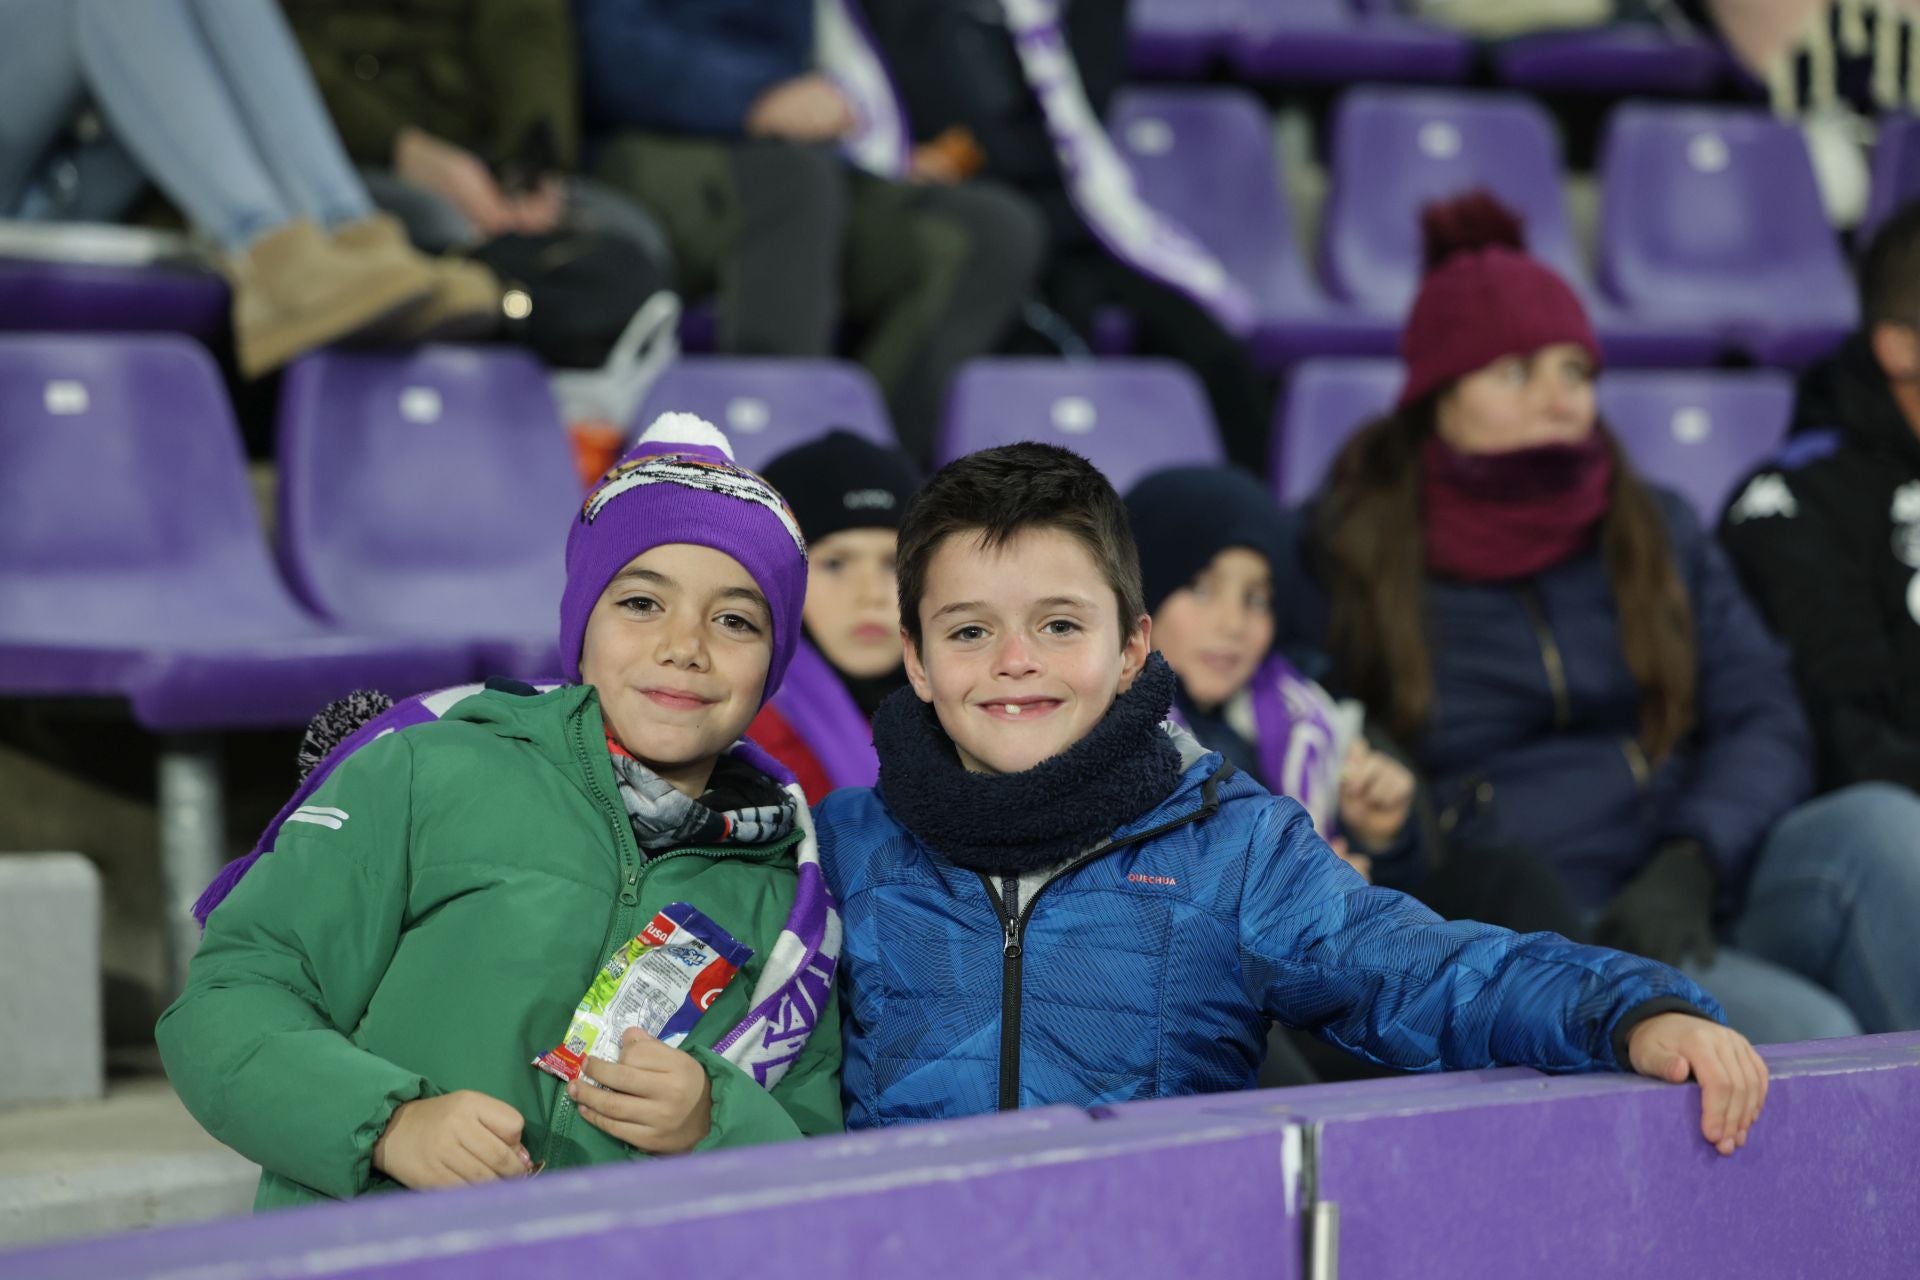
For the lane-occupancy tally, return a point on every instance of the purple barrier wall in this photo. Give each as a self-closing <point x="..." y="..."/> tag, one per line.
<point x="1517" y="1174"/>
<point x="1049" y="1193"/>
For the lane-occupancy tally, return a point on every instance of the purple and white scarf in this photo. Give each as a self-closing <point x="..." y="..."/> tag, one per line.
<point x="797" y="978"/>
<point x="1301" y="736"/>
<point x="816" y="704"/>
<point x="1099" y="183"/>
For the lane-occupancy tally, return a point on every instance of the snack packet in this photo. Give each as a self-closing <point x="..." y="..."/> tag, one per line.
<point x="661" y="981"/>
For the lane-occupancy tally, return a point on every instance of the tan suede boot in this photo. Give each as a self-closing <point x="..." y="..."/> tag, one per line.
<point x="463" y="303"/>
<point x="294" y="290"/>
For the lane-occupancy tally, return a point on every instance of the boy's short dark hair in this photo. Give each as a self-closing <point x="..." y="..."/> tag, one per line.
<point x="1890" y="271"/>
<point x="998" y="493"/>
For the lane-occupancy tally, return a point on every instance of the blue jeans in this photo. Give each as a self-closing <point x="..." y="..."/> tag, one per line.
<point x="1835" y="898"/>
<point x="215" y="101"/>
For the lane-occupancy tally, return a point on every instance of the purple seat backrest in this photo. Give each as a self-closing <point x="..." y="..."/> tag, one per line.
<point x="1896" y="171"/>
<point x="1697" y="432"/>
<point x="125" y="516"/>
<point x="1714" y="213"/>
<point x="425" y="491"/>
<point x="1395" y="150"/>
<point x="1128" y="417"/>
<point x="1205" y="157"/>
<point x="1325" y="402"/>
<point x="768" y="406"/>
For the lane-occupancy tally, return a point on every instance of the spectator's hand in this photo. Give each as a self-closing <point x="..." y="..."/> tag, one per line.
<point x="655" y="1098"/>
<point x="1666" y="912"/>
<point x="538" y="212"/>
<point x="1733" y="1078"/>
<point x="807" y="108"/>
<point x="457" y="176"/>
<point x="451" y="1141"/>
<point x="1376" y="795"/>
<point x="1358" y="861"/>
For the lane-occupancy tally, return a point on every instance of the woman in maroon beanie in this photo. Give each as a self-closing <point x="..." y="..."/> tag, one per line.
<point x="1577" y="671"/>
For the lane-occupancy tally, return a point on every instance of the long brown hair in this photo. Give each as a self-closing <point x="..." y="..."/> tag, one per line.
<point x="1369" y="528"/>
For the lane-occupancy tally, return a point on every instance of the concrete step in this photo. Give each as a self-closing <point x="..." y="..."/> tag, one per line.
<point x="136" y="1159"/>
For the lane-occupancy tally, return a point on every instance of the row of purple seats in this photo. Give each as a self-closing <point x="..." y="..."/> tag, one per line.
<point x="1712" y="235"/>
<point x="133" y="569"/>
<point x="40" y="295"/>
<point x="1317" y="42"/>
<point x="1487" y="1174"/>
<point x="1696" y="431"/>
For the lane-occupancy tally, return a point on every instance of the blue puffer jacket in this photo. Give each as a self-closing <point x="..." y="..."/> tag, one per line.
<point x="1533" y="736"/>
<point x="1150" y="967"/>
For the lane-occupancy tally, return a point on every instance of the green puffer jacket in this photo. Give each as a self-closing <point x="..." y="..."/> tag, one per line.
<point x="435" y="931"/>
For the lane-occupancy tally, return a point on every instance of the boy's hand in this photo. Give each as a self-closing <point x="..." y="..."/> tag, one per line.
<point x="1376" y="794"/>
<point x="451" y="1141"/>
<point x="655" y="1098"/>
<point x="1733" y="1078"/>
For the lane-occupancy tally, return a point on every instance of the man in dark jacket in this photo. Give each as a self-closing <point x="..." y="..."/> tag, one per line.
<point x="1827" y="535"/>
<point x="955" y="64"/>
<point x="716" y="118"/>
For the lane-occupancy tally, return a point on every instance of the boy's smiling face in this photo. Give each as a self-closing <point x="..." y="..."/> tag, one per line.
<point x="678" y="646"/>
<point x="1021" y="651"/>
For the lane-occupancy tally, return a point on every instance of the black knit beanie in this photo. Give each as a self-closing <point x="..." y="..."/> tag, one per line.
<point x="1183" y="517"/>
<point x="842" y="481"/>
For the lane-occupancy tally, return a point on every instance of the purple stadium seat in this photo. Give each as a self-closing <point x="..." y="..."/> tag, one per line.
<point x="1334" y="42"/>
<point x="1712" y="217"/>
<point x="1694" y="431"/>
<point x="1697" y="432"/>
<point x="1896" y="171"/>
<point x="428" y="493"/>
<point x="1396" y="150"/>
<point x="1205" y="157"/>
<point x="1325" y="401"/>
<point x="1615" y="60"/>
<point x="87" y="297"/>
<point x="132" y="566"/>
<point x="1128" y="416"/>
<point x="768" y="406"/>
<point x="1179" y="39"/>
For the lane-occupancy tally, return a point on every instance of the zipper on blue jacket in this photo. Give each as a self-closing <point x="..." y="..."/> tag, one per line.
<point x="1014" y="915"/>
<point x="1550" y="658"/>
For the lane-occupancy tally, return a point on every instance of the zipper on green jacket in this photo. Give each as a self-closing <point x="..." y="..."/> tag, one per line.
<point x="633" y="871"/>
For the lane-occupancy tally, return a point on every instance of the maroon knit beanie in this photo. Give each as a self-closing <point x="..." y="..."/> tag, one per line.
<point x="1484" y="297"/>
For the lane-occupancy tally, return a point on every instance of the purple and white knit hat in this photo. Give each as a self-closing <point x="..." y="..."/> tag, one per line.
<point x="679" y="483"/>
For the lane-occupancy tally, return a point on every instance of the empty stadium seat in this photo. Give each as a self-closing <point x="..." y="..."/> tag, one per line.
<point x="1616" y="60"/>
<point x="1337" y="41"/>
<point x="768" y="406"/>
<point x="1697" y="432"/>
<point x="86" y="278"/>
<point x="1325" y="401"/>
<point x="1129" y="417"/>
<point x="428" y="493"/>
<point x="1396" y="150"/>
<point x="132" y="566"/>
<point x="1205" y="158"/>
<point x="1712" y="217"/>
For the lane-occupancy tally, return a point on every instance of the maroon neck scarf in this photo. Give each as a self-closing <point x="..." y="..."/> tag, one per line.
<point x="1499" y="517"/>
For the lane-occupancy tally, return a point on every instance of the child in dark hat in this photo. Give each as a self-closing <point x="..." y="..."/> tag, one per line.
<point x="1209" y="539"/>
<point x="848" y="495"/>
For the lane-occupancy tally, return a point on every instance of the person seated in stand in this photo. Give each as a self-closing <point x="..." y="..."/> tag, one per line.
<point x="1052" y="896"/>
<point x="848" y="495"/>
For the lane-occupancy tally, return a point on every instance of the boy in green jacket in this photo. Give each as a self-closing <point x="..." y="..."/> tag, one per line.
<point x="367" y="1003"/>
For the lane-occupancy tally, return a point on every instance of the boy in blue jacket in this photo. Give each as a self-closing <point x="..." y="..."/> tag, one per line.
<point x="1052" y="896"/>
